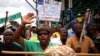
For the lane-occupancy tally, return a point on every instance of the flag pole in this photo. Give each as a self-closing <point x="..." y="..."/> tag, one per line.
<point x="6" y="19"/>
<point x="86" y="21"/>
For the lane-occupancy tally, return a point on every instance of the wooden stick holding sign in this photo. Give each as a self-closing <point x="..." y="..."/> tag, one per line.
<point x="6" y="19"/>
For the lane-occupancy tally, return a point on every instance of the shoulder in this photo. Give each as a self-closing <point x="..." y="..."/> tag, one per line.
<point x="72" y="37"/>
<point x="87" y="38"/>
<point x="30" y="43"/>
<point x="15" y="44"/>
<point x="16" y="47"/>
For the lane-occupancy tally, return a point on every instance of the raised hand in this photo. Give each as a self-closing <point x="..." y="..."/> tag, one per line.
<point x="27" y="19"/>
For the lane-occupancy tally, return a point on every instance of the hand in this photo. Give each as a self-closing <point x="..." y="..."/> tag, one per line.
<point x="78" y="50"/>
<point x="27" y="19"/>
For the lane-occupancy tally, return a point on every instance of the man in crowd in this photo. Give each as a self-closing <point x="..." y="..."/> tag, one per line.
<point x="63" y="37"/>
<point x="43" y="34"/>
<point x="94" y="34"/>
<point x="56" y="33"/>
<point x="74" y="41"/>
<point x="8" y="44"/>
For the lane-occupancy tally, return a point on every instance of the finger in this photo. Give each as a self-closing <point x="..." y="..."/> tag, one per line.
<point x="31" y="22"/>
<point x="31" y="18"/>
<point x="30" y="14"/>
<point x="35" y="17"/>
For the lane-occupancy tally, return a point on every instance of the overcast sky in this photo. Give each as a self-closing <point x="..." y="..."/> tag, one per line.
<point x="15" y="6"/>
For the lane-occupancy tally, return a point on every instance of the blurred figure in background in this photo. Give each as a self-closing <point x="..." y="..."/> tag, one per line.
<point x="93" y="33"/>
<point x="1" y="33"/>
<point x="56" y="33"/>
<point x="8" y="44"/>
<point x="74" y="41"/>
<point x="96" y="16"/>
<point x="33" y="34"/>
<point x="63" y="37"/>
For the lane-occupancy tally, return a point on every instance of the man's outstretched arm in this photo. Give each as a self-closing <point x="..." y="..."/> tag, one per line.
<point x="26" y="20"/>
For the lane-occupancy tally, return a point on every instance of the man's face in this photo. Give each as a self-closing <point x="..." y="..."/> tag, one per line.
<point x="78" y="30"/>
<point x="63" y="35"/>
<point x="92" y="29"/>
<point x="44" y="37"/>
<point x="8" y="38"/>
<point x="63" y="32"/>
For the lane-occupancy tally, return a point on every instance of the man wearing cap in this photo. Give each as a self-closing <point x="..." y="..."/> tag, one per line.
<point x="8" y="44"/>
<point x="43" y="34"/>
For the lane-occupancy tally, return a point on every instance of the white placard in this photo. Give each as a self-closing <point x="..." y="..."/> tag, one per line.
<point x="49" y="10"/>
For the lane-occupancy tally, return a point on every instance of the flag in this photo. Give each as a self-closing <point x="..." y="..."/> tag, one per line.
<point x="11" y="18"/>
<point x="87" y="16"/>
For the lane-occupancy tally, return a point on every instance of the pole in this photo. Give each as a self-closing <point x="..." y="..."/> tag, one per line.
<point x="35" y="10"/>
<point x="86" y="21"/>
<point x="37" y="13"/>
<point x="6" y="19"/>
<point x="70" y="3"/>
<point x="31" y="5"/>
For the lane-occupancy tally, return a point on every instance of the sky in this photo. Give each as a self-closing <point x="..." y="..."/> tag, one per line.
<point x="15" y="6"/>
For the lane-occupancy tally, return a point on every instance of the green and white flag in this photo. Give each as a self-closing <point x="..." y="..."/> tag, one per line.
<point x="11" y="18"/>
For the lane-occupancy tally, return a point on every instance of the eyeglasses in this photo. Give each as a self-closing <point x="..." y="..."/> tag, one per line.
<point x="40" y="34"/>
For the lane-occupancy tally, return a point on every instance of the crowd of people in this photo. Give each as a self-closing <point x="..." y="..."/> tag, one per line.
<point x="58" y="41"/>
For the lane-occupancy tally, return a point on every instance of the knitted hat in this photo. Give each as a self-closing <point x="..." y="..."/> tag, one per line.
<point x="60" y="51"/>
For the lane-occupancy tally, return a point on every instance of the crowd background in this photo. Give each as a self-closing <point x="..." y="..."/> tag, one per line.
<point x="80" y="34"/>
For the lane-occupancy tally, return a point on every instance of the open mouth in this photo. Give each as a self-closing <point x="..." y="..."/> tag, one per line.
<point x="7" y="41"/>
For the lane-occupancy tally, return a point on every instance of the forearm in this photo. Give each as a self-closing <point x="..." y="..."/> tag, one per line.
<point x="18" y="32"/>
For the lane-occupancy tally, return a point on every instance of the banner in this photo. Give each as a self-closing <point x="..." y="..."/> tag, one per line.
<point x="11" y="18"/>
<point x="49" y="10"/>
